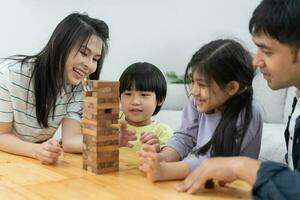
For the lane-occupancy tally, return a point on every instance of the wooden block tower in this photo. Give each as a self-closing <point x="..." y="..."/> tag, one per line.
<point x="100" y="141"/>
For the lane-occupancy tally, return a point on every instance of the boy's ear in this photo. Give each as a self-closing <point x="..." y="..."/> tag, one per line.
<point x="232" y="88"/>
<point x="298" y="56"/>
<point x="161" y="103"/>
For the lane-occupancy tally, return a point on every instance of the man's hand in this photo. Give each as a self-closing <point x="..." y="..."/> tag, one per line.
<point x="224" y="170"/>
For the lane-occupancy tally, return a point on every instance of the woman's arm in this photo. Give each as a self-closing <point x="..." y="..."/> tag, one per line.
<point x="72" y="139"/>
<point x="12" y="144"/>
<point x="47" y="152"/>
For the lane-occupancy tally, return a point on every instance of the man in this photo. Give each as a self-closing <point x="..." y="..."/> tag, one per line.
<point x="275" y="27"/>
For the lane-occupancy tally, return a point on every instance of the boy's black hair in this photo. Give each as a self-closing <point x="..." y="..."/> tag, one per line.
<point x="224" y="61"/>
<point x="278" y="19"/>
<point x="145" y="77"/>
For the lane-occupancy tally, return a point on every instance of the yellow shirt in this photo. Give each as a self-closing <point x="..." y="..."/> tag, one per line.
<point x="161" y="130"/>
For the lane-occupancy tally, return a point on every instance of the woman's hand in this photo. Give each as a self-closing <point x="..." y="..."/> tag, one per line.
<point x="48" y="152"/>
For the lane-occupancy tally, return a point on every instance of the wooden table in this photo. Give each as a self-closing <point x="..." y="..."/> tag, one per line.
<point x="25" y="178"/>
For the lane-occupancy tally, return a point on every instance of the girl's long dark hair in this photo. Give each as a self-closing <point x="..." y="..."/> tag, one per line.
<point x="49" y="64"/>
<point x="224" y="61"/>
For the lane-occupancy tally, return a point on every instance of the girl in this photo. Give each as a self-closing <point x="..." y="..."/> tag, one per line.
<point x="143" y="90"/>
<point x="220" y="118"/>
<point x="42" y="91"/>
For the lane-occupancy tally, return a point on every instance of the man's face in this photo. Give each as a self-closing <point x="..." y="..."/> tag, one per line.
<point x="277" y="62"/>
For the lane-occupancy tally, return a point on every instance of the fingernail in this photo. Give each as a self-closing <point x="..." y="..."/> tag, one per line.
<point x="179" y="186"/>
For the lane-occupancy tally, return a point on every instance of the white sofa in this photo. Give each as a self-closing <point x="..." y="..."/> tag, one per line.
<point x="275" y="108"/>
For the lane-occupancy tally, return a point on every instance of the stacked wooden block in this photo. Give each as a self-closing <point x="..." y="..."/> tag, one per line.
<point x="100" y="141"/>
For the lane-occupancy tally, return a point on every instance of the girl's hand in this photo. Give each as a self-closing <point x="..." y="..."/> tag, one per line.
<point x="125" y="135"/>
<point x="149" y="138"/>
<point x="155" y="148"/>
<point x="48" y="152"/>
<point x="152" y="165"/>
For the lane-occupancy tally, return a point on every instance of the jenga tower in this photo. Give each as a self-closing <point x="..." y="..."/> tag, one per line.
<point x="100" y="141"/>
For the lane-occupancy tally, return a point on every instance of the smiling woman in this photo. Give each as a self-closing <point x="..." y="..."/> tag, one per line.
<point x="40" y="92"/>
<point x="80" y="64"/>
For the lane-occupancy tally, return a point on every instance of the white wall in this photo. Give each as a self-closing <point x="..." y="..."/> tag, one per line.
<point x="164" y="32"/>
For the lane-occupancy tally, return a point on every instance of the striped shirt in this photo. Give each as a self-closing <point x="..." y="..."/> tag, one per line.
<point x="17" y="103"/>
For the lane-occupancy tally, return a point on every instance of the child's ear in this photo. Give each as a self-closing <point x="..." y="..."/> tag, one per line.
<point x="232" y="88"/>
<point x="161" y="103"/>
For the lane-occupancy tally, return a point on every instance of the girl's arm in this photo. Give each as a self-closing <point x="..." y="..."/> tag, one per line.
<point x="157" y="170"/>
<point x="72" y="139"/>
<point x="169" y="154"/>
<point x="185" y="138"/>
<point x="47" y="152"/>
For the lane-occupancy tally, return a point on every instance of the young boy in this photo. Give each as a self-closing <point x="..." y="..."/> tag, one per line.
<point x="276" y="32"/>
<point x="143" y="89"/>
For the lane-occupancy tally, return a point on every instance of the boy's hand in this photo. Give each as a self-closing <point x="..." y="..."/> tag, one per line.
<point x="125" y="135"/>
<point x="151" y="139"/>
<point x="48" y="152"/>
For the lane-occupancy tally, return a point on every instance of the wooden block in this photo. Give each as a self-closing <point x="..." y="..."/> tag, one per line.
<point x="102" y="170"/>
<point x="96" y="161"/>
<point x="108" y="148"/>
<point x="95" y="84"/>
<point x="108" y="137"/>
<point x="108" y="105"/>
<point x="111" y="95"/>
<point x="100" y="141"/>
<point x="87" y="93"/>
<point x="103" y="84"/>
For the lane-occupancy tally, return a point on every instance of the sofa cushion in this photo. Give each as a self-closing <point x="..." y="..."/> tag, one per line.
<point x="170" y="117"/>
<point x="272" y="102"/>
<point x="272" y="143"/>
<point x="176" y="97"/>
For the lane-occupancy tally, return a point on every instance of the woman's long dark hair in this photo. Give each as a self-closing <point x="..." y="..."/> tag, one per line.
<point x="223" y="61"/>
<point x="49" y="64"/>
